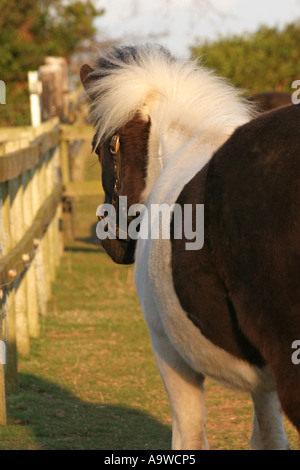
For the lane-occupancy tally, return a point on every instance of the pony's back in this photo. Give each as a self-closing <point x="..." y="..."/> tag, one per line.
<point x="252" y="203"/>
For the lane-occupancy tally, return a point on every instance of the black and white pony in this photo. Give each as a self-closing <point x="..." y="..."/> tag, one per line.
<point x="228" y="306"/>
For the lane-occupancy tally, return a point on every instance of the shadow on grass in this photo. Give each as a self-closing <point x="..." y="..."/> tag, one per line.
<point x="92" y="238"/>
<point x="56" y="419"/>
<point x="88" y="243"/>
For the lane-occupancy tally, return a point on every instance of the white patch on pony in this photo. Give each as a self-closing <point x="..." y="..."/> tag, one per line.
<point x="268" y="430"/>
<point x="160" y="304"/>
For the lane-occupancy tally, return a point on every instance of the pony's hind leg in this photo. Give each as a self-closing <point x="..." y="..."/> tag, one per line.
<point x="268" y="432"/>
<point x="185" y="389"/>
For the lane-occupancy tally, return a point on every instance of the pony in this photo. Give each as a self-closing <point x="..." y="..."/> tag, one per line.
<point x="171" y="133"/>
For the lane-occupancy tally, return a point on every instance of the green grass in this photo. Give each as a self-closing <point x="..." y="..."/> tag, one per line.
<point x="91" y="381"/>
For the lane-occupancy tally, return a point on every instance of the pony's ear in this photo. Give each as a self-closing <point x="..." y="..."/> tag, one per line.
<point x="84" y="75"/>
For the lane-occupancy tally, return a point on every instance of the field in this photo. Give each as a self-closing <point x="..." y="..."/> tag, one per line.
<point x="91" y="381"/>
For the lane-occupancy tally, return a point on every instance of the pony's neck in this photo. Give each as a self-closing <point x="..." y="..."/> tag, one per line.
<point x="181" y="150"/>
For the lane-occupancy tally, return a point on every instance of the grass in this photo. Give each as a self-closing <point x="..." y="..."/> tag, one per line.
<point x="91" y="381"/>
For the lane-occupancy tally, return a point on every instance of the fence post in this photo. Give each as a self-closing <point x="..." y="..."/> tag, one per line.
<point x="54" y="75"/>
<point x="2" y="384"/>
<point x="11" y="374"/>
<point x="17" y="231"/>
<point x="38" y="259"/>
<point x="45" y="237"/>
<point x="62" y="65"/>
<point x="7" y="303"/>
<point x="35" y="90"/>
<point x="57" y="177"/>
<point x="51" y="228"/>
<point x="32" y="299"/>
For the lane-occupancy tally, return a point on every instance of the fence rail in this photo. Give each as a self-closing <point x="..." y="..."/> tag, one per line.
<point x="30" y="238"/>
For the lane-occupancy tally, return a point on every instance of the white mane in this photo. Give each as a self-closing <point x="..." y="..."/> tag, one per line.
<point x="148" y="80"/>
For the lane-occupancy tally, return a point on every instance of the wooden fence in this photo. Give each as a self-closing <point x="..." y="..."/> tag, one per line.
<point x="37" y="191"/>
<point x="30" y="238"/>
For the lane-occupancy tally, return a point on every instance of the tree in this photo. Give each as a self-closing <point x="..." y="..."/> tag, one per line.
<point x="31" y="30"/>
<point x="266" y="60"/>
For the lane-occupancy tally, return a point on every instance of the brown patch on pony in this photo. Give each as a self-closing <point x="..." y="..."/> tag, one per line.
<point x="134" y="138"/>
<point x="252" y="201"/>
<point x="201" y="291"/>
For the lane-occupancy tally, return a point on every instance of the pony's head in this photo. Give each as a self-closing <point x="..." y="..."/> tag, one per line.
<point x="121" y="146"/>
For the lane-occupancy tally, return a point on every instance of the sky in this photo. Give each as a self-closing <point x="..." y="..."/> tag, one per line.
<point x="177" y="24"/>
